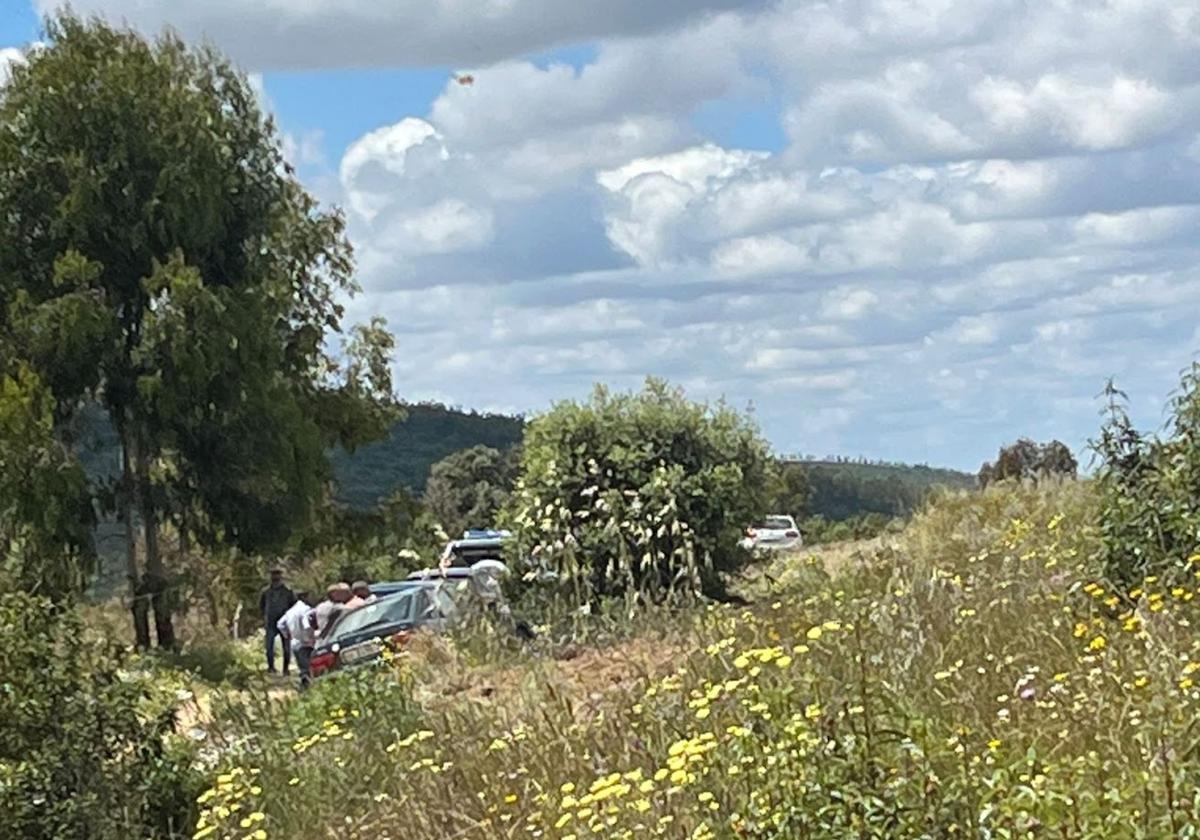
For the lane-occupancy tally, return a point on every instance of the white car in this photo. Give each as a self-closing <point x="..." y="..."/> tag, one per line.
<point x="773" y="533"/>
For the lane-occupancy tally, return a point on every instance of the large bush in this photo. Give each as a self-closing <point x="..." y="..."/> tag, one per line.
<point x="1150" y="489"/>
<point x="85" y="747"/>
<point x="645" y="491"/>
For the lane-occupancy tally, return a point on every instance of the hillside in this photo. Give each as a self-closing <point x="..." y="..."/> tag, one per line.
<point x="428" y="434"/>
<point x="963" y="675"/>
<point x="843" y="489"/>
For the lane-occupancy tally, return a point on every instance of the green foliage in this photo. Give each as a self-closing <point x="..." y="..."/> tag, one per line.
<point x="467" y="489"/>
<point x="818" y="530"/>
<point x="644" y="491"/>
<point x="791" y="491"/>
<point x="1150" y="488"/>
<point x="317" y="759"/>
<point x="159" y="257"/>
<point x="844" y="489"/>
<point x="1028" y="460"/>
<point x="397" y="536"/>
<point x="85" y="749"/>
<point x="46" y="515"/>
<point x="368" y="475"/>
<point x="971" y="681"/>
<point x="428" y="433"/>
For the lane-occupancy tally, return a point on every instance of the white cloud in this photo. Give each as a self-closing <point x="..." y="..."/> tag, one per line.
<point x="1108" y="115"/>
<point x="974" y="329"/>
<point x="8" y="57"/>
<point x="979" y="210"/>
<point x="446" y="226"/>
<point x="848" y="303"/>
<point x="12" y="56"/>
<point x="653" y="196"/>
<point x="318" y="33"/>
<point x="375" y="165"/>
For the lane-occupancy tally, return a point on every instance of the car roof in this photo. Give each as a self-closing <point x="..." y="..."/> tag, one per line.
<point x="487" y="539"/>
<point x="436" y="574"/>
<point x="390" y="586"/>
<point x="485" y="534"/>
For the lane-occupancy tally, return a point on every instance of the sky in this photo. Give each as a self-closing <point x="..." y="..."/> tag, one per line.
<point x="905" y="229"/>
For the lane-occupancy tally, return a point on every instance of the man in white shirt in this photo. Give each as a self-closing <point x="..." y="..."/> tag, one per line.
<point x="298" y="633"/>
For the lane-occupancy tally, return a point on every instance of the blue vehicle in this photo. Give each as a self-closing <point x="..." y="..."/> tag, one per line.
<point x="433" y="599"/>
<point x="391" y="587"/>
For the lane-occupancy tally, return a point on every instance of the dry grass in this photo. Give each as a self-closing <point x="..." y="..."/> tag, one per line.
<point x="969" y="679"/>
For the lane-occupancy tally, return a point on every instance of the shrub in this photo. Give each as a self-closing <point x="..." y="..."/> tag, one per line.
<point x="645" y="491"/>
<point x="1150" y="489"/>
<point x="85" y="748"/>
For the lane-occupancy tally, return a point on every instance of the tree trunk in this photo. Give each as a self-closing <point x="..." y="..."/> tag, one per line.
<point x="156" y="578"/>
<point x="139" y="605"/>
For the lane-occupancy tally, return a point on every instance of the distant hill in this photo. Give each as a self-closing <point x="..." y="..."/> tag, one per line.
<point x="429" y="434"/>
<point x="842" y="489"/>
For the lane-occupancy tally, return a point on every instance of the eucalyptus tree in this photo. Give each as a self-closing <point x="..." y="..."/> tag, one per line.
<point x="158" y="256"/>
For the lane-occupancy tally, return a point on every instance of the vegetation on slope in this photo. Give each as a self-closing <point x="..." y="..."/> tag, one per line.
<point x="844" y="489"/>
<point x="973" y="679"/>
<point x="403" y="459"/>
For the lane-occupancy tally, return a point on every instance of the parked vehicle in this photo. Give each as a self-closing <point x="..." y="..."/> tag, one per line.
<point x="474" y="546"/>
<point x="432" y="599"/>
<point x="773" y="533"/>
<point x="361" y="634"/>
<point x="391" y="587"/>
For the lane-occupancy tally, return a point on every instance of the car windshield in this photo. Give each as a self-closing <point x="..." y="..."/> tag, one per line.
<point x="392" y="609"/>
<point x="776" y="523"/>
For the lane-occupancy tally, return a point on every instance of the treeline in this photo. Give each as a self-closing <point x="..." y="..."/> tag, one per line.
<point x="842" y="490"/>
<point x="405" y="457"/>
<point x="839" y="488"/>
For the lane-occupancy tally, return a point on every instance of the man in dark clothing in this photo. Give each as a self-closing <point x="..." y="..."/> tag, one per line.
<point x="276" y="599"/>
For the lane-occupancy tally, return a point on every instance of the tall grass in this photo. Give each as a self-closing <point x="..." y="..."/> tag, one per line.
<point x="974" y="678"/>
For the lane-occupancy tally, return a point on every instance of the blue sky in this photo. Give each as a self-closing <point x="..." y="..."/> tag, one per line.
<point x="907" y="230"/>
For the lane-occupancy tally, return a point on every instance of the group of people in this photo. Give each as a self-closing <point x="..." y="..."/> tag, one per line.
<point x="298" y="620"/>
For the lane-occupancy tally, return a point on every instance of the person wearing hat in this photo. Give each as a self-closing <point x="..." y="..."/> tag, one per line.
<point x="276" y="599"/>
<point x="323" y="614"/>
<point x="362" y="594"/>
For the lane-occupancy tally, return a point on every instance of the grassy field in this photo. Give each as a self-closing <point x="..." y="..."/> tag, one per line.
<point x="969" y="678"/>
